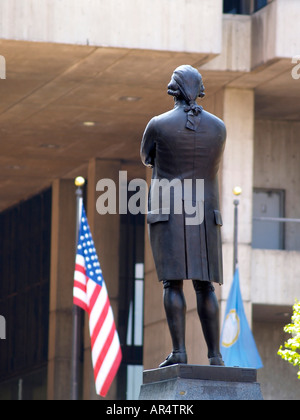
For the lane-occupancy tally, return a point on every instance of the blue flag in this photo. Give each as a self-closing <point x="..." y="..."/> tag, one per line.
<point x="237" y="343"/>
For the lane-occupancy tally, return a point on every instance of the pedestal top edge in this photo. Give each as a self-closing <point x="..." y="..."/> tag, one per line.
<point x="213" y="373"/>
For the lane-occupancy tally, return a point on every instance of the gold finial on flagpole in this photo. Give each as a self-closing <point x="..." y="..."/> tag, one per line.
<point x="79" y="181"/>
<point x="237" y="190"/>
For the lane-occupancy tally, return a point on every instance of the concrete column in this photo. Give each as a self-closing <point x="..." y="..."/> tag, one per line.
<point x="61" y="288"/>
<point x="106" y="234"/>
<point x="237" y="169"/>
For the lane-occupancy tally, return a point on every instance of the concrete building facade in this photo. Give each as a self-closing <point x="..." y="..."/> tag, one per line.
<point x="82" y="80"/>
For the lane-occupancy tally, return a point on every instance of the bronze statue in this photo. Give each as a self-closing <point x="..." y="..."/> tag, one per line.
<point x="186" y="143"/>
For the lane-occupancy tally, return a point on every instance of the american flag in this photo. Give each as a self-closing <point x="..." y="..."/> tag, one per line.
<point x="90" y="294"/>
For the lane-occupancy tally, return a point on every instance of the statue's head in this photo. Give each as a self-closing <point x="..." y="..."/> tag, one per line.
<point x="186" y="83"/>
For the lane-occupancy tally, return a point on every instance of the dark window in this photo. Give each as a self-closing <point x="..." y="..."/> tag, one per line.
<point x="259" y="4"/>
<point x="131" y="306"/>
<point x="268" y="206"/>
<point x="243" y="7"/>
<point x="25" y="233"/>
<point x="232" y="6"/>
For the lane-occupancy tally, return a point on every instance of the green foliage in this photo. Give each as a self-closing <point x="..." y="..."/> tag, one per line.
<point x="291" y="353"/>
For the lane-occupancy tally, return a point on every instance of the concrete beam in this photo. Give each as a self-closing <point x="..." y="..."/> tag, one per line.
<point x="275" y="32"/>
<point x="177" y="25"/>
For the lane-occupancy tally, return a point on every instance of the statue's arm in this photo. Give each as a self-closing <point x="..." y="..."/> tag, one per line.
<point x="148" y="146"/>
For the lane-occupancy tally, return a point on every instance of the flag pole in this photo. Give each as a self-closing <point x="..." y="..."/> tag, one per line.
<point x="236" y="191"/>
<point x="79" y="183"/>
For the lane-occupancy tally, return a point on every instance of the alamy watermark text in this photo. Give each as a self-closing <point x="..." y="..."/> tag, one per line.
<point x="2" y="328"/>
<point x="174" y="196"/>
<point x="2" y="67"/>
<point x="296" y="69"/>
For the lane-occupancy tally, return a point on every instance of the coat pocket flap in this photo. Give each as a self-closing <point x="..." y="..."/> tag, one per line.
<point x="218" y="218"/>
<point x="155" y="218"/>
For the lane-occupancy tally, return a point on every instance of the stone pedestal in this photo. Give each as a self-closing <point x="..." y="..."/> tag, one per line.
<point x="193" y="382"/>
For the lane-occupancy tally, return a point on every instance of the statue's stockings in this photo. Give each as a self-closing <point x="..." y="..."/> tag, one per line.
<point x="208" y="311"/>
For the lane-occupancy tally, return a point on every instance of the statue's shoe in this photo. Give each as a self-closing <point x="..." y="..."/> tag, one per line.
<point x="216" y="361"/>
<point x="175" y="358"/>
